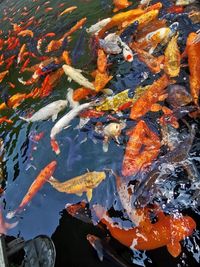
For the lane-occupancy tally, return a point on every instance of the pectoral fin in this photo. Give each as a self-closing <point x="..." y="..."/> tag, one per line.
<point x="54" y="117"/>
<point x="105" y="146"/>
<point x="89" y="194"/>
<point x="174" y="249"/>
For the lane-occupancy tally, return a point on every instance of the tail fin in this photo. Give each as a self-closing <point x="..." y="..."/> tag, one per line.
<point x="52" y="180"/>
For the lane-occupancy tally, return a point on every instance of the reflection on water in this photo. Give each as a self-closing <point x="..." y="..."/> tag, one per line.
<point x="26" y="147"/>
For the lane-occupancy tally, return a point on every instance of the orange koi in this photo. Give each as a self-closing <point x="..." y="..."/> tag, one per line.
<point x="172" y="58"/>
<point x="91" y="113"/>
<point x="101" y="61"/>
<point x="4" y="119"/>
<point x="156" y="6"/>
<point x="120" y="4"/>
<point x="167" y="231"/>
<point x="193" y="49"/>
<point x="48" y="9"/>
<point x="153" y="63"/>
<point x="12" y="85"/>
<point x="101" y="80"/>
<point x="141" y="138"/>
<point x="118" y="19"/>
<point x="25" y="65"/>
<point x="26" y="33"/>
<point x="67" y="10"/>
<point x="175" y="9"/>
<point x="149" y="97"/>
<point x="66" y="57"/>
<point x="82" y="93"/>
<point x="143" y="19"/>
<point x="9" y="61"/>
<point x="40" y="180"/>
<point x="76" y="27"/>
<point x="21" y="52"/>
<point x="3" y="74"/>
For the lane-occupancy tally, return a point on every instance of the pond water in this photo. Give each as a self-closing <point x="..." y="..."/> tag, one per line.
<point x="81" y="149"/>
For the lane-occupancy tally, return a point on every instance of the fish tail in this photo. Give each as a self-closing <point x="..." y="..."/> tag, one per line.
<point x="52" y="180"/>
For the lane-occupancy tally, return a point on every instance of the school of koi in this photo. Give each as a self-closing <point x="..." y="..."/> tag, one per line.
<point x="158" y="115"/>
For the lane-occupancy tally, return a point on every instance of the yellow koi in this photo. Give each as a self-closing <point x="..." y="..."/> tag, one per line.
<point x="83" y="183"/>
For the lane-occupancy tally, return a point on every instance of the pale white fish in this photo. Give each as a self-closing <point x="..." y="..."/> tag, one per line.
<point x="82" y="123"/>
<point x="94" y="29"/>
<point x="49" y="111"/>
<point x="76" y="76"/>
<point x="184" y="2"/>
<point x="127" y="52"/>
<point x="111" y="44"/>
<point x="72" y="103"/>
<point x="66" y="119"/>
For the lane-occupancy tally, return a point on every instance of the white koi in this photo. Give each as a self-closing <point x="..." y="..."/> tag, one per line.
<point x="51" y="110"/>
<point x="76" y="76"/>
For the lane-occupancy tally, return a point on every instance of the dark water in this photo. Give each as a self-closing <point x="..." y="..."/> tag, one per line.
<point x="44" y="214"/>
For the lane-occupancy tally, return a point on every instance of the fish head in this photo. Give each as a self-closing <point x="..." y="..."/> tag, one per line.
<point x="182" y="227"/>
<point x="63" y="104"/>
<point x="92" y="239"/>
<point x="52" y="166"/>
<point x="99" y="177"/>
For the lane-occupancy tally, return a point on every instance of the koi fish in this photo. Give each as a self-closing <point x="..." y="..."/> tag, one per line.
<point x="160" y="36"/>
<point x="67" y="10"/>
<point x="112" y="130"/>
<point x="178" y="96"/>
<point x="75" y="75"/>
<point x="184" y="2"/>
<point x="101" y="79"/>
<point x="94" y="29"/>
<point x="153" y="63"/>
<point x="82" y="93"/>
<point x="83" y="183"/>
<point x="118" y="19"/>
<point x="5" y="119"/>
<point x="142" y="148"/>
<point x="167" y="231"/>
<point x="121" y="100"/>
<point x="50" y="110"/>
<point x="172" y="58"/>
<point x="21" y="52"/>
<point x="148" y="98"/>
<point x="193" y="48"/>
<point x="65" y="120"/>
<point x="26" y="33"/>
<point x="40" y="180"/>
<point x="79" y="211"/>
<point x="3" y="74"/>
<point x="103" y="248"/>
<point x="120" y="4"/>
<point x="143" y="19"/>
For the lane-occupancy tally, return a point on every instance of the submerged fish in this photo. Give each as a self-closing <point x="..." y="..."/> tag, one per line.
<point x="83" y="183"/>
<point x="40" y="180"/>
<point x="103" y="249"/>
<point x="50" y="110"/>
<point x="66" y="119"/>
<point x="167" y="231"/>
<point x="76" y="75"/>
